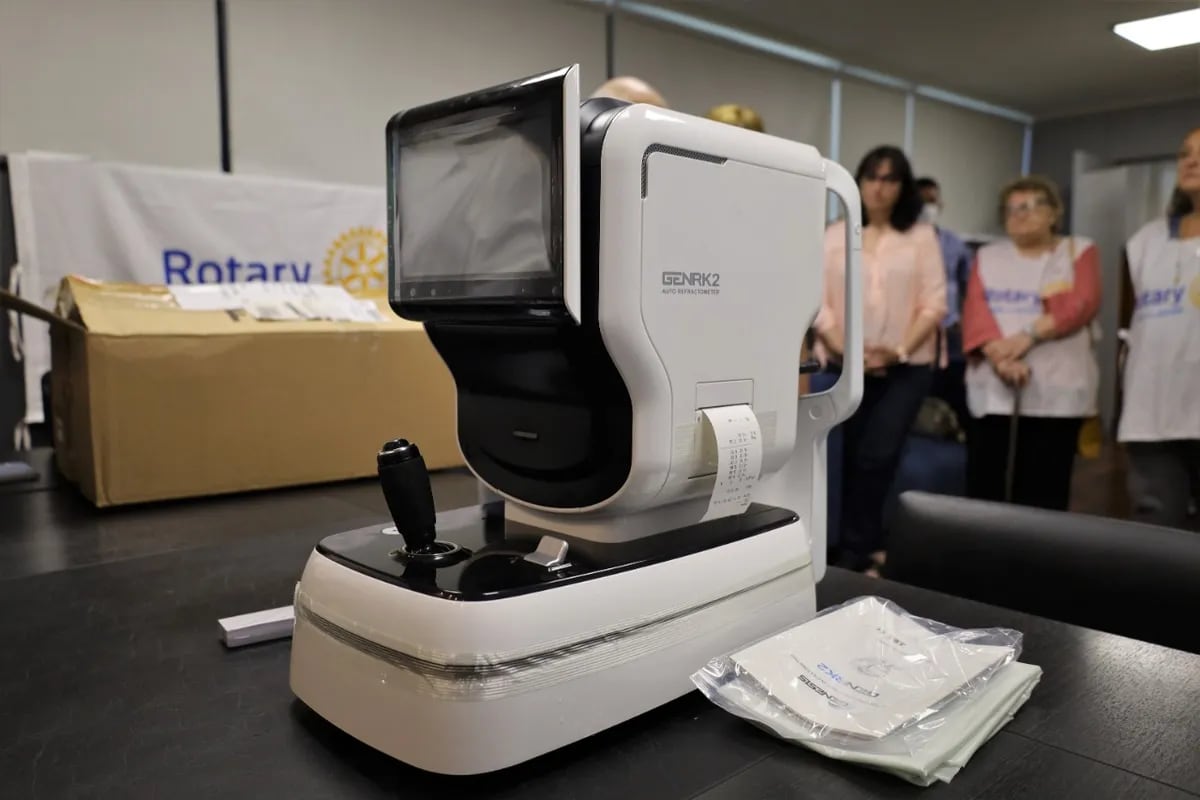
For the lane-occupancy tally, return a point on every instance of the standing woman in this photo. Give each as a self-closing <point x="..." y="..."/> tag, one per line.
<point x="904" y="286"/>
<point x="1160" y="419"/>
<point x="1026" y="329"/>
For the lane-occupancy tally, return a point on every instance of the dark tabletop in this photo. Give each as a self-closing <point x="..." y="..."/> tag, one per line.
<point x="113" y="681"/>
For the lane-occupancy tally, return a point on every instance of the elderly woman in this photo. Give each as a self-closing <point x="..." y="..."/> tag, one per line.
<point x="1032" y="377"/>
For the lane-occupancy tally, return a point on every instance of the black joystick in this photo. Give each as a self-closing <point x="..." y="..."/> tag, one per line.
<point x="405" y="483"/>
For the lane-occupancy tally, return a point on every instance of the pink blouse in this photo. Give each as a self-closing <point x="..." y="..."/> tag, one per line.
<point x="903" y="279"/>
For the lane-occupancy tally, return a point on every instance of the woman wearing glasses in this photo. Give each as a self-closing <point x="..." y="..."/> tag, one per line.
<point x="1160" y="418"/>
<point x="904" y="286"/>
<point x="1032" y="376"/>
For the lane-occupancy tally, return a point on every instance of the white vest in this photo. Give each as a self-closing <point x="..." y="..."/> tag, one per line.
<point x="1065" y="376"/>
<point x="1162" y="369"/>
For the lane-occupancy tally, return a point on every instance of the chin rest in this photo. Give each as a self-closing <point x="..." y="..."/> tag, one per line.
<point x="1126" y="578"/>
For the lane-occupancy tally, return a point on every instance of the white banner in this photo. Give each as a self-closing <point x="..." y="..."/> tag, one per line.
<point x="169" y="226"/>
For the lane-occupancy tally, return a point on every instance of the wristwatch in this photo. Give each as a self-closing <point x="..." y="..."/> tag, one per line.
<point x="1031" y="330"/>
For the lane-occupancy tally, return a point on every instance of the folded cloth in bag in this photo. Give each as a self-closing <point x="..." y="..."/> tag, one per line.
<point x="949" y="748"/>
<point x="868" y="683"/>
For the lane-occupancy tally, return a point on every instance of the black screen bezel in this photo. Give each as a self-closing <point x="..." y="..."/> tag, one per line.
<point x="538" y="296"/>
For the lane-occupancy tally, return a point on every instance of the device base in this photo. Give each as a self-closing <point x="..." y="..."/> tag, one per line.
<point x="464" y="688"/>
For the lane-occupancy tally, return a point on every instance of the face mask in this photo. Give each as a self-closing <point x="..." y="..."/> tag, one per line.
<point x="930" y="213"/>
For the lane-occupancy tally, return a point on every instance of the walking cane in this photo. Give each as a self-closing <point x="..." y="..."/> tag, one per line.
<point x="1010" y="472"/>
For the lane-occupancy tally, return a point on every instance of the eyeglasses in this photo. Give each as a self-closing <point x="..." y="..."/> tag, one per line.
<point x="1026" y="207"/>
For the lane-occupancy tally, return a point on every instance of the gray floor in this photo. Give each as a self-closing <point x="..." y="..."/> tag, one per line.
<point x="47" y="527"/>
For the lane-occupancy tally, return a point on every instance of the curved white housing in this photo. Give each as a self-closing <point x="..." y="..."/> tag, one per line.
<point x="681" y="195"/>
<point x="719" y="201"/>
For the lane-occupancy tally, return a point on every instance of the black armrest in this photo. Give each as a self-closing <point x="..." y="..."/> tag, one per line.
<point x="1122" y="577"/>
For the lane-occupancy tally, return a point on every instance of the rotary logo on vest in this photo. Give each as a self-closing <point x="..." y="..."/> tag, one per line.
<point x="691" y="282"/>
<point x="1169" y="301"/>
<point x="1009" y="300"/>
<point x="355" y="259"/>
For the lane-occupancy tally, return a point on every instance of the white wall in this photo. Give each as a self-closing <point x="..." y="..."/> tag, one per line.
<point x="130" y="80"/>
<point x="1148" y="133"/>
<point x="314" y="82"/>
<point x="871" y="116"/>
<point x="694" y="74"/>
<point x="972" y="156"/>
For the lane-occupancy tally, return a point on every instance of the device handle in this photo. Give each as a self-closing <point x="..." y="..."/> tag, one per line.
<point x="847" y="392"/>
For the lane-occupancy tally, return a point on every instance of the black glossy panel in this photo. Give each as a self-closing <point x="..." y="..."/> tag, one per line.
<point x="493" y="563"/>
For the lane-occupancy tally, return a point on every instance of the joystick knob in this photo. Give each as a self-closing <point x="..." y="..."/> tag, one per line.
<point x="405" y="483"/>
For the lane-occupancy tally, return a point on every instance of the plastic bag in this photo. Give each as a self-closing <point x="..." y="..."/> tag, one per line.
<point x="863" y="677"/>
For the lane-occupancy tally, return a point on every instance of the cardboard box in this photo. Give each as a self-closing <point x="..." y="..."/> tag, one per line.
<point x="152" y="402"/>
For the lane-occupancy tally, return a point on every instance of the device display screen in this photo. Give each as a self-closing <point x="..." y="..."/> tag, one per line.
<point x="477" y="204"/>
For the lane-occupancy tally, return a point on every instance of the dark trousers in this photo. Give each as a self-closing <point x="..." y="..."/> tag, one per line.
<point x="1045" y="458"/>
<point x="872" y="442"/>
<point x="1164" y="479"/>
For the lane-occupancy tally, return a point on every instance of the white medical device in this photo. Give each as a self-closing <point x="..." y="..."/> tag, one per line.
<point x="620" y="293"/>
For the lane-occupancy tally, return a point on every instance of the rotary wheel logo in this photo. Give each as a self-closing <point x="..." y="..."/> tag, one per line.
<point x="356" y="260"/>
